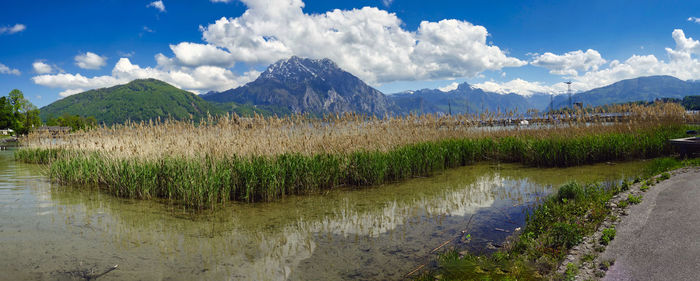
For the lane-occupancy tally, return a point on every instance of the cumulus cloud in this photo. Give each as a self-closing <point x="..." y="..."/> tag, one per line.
<point x="4" y="69"/>
<point x="694" y="19"/>
<point x="12" y="29"/>
<point x="70" y="92"/>
<point x="41" y="67"/>
<point x="90" y="60"/>
<point x="518" y="86"/>
<point x="682" y="63"/>
<point x="193" y="54"/>
<point x="368" y="42"/>
<point x="195" y="79"/>
<point x="570" y="63"/>
<point x="450" y="87"/>
<point x="158" y="5"/>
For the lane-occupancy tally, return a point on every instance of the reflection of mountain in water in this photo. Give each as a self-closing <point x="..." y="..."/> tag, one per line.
<point x="269" y="241"/>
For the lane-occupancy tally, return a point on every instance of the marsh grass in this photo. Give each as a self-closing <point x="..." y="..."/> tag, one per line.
<point x="261" y="159"/>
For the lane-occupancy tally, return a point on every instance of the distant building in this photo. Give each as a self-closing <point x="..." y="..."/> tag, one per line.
<point x="6" y="132"/>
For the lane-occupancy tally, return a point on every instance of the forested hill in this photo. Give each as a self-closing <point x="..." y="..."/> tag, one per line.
<point x="139" y="100"/>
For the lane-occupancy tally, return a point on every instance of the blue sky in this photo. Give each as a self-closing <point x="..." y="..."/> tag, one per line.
<point x="51" y="49"/>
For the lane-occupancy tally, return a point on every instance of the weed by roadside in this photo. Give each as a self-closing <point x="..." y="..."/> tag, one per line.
<point x="571" y="272"/>
<point x="608" y="235"/>
<point x="634" y="199"/>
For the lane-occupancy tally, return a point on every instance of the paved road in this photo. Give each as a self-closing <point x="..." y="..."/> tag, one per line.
<point x="660" y="238"/>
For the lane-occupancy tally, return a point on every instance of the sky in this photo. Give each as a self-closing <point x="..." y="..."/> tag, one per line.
<point x="53" y="49"/>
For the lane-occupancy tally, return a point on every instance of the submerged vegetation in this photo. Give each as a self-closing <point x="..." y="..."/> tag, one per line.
<point x="261" y="159"/>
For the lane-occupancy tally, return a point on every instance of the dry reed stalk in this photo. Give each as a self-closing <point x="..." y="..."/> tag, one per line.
<point x="339" y="134"/>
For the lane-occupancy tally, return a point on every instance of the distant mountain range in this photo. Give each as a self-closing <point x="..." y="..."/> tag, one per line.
<point x="638" y="89"/>
<point x="463" y="99"/>
<point x="299" y="85"/>
<point x="307" y="86"/>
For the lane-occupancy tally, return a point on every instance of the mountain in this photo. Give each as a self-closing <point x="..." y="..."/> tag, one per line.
<point x="300" y="85"/>
<point x="457" y="101"/>
<point x="139" y="100"/>
<point x="638" y="89"/>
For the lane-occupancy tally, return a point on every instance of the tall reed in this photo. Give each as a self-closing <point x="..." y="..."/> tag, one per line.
<point x="261" y="159"/>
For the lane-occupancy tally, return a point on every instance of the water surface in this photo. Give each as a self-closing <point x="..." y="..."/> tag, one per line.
<point x="48" y="231"/>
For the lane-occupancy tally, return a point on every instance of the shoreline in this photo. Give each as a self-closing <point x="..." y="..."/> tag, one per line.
<point x="564" y="236"/>
<point x="603" y="261"/>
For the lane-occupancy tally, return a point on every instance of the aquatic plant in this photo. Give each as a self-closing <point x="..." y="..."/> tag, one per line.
<point x="230" y="158"/>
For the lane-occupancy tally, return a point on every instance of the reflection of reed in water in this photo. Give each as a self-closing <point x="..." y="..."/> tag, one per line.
<point x="227" y="250"/>
<point x="238" y="242"/>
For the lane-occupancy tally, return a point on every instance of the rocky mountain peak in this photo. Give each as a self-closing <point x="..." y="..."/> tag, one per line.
<point x="296" y="69"/>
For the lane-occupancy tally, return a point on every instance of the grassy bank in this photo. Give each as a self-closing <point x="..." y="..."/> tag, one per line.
<point x="208" y="179"/>
<point x="552" y="228"/>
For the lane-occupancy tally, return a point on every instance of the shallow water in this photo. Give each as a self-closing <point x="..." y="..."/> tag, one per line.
<point x="49" y="231"/>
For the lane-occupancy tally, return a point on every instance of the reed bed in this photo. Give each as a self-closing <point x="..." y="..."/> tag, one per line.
<point x="230" y="158"/>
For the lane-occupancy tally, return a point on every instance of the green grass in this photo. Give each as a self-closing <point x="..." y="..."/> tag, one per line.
<point x="631" y="199"/>
<point x="205" y="181"/>
<point x="662" y="165"/>
<point x="608" y="235"/>
<point x="571" y="272"/>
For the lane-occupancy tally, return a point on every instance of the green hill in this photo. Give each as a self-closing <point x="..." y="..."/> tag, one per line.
<point x="139" y="100"/>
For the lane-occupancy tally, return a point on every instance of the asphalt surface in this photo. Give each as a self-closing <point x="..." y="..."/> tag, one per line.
<point x="660" y="238"/>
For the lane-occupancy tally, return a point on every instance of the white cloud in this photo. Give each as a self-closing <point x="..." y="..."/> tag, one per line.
<point x="450" y="87"/>
<point x="570" y="63"/>
<point x="694" y="19"/>
<point x="90" y="60"/>
<point x="12" y="29"/>
<point x="42" y="67"/>
<point x="158" y="5"/>
<point x="682" y="63"/>
<point x="387" y="3"/>
<point x="4" y="69"/>
<point x="368" y="42"/>
<point x="193" y="54"/>
<point x="70" y="92"/>
<point x="518" y="86"/>
<point x="195" y="79"/>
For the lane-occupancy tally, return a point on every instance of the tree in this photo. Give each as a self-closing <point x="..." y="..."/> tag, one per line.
<point x="5" y="113"/>
<point x="17" y="113"/>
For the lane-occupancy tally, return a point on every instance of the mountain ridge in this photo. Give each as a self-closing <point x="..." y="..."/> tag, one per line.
<point x="305" y="85"/>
